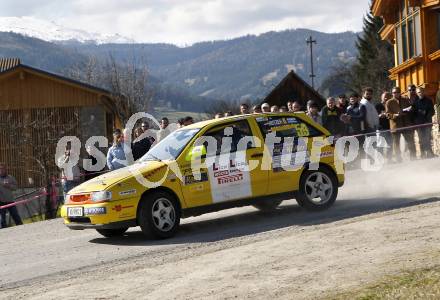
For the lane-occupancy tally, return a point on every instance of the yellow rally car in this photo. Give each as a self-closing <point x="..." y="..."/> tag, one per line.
<point x="257" y="160"/>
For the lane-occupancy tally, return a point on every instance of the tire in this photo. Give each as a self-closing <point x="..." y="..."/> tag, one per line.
<point x="318" y="190"/>
<point x="159" y="215"/>
<point x="267" y="206"/>
<point x="112" y="232"/>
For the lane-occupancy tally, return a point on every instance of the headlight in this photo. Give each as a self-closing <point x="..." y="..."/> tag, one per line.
<point x="101" y="196"/>
<point x="67" y="199"/>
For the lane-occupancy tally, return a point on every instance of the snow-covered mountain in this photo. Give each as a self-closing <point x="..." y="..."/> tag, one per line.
<point x="52" y="32"/>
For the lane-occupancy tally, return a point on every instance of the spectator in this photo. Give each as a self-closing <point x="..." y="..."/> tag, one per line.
<point x="437" y="105"/>
<point x="141" y="144"/>
<point x="164" y="130"/>
<point x="257" y="109"/>
<point x="8" y="184"/>
<point x="372" y="118"/>
<point x="229" y="114"/>
<point x="399" y="118"/>
<point x="265" y="107"/>
<point x="188" y="121"/>
<point x="384" y="123"/>
<point x="90" y="156"/>
<point x="145" y="127"/>
<point x="423" y="110"/>
<point x="283" y="109"/>
<point x="218" y="116"/>
<point x="274" y="109"/>
<point x="331" y="118"/>
<point x="70" y="177"/>
<point x="412" y="93"/>
<point x="244" y="109"/>
<point x="356" y="117"/>
<point x="296" y="106"/>
<point x="180" y="122"/>
<point x="289" y="105"/>
<point x="313" y="112"/>
<point x="342" y="104"/>
<point x="116" y="158"/>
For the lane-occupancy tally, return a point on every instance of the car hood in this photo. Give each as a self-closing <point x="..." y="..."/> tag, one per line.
<point x="107" y="180"/>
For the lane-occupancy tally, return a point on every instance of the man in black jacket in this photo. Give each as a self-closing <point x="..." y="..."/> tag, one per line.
<point x="384" y="124"/>
<point x="356" y="115"/>
<point x="423" y="111"/>
<point x="331" y="118"/>
<point x="141" y="144"/>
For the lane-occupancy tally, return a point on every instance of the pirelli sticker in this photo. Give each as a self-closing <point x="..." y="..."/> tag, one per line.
<point x="228" y="180"/>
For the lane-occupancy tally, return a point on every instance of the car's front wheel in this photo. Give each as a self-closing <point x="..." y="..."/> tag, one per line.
<point x="112" y="232"/>
<point x="159" y="215"/>
<point x="318" y="190"/>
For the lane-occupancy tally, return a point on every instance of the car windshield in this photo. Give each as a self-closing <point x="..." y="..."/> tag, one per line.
<point x="171" y="146"/>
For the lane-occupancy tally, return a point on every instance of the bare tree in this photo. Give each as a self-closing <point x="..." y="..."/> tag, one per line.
<point x="128" y="83"/>
<point x="127" y="80"/>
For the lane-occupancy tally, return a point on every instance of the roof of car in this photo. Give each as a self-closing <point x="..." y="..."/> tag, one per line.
<point x="239" y="117"/>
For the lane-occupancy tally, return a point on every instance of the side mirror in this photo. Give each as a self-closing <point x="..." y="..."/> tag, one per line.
<point x="196" y="152"/>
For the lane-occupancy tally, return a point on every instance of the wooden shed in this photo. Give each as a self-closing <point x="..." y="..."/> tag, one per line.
<point x="37" y="108"/>
<point x="293" y="88"/>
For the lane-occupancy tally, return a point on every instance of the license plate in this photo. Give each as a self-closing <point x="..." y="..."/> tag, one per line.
<point x="75" y="212"/>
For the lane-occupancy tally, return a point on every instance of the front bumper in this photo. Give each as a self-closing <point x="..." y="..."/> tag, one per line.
<point x="106" y="215"/>
<point x="116" y="225"/>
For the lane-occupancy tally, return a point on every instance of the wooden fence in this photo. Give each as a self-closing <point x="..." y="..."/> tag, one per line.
<point x="28" y="140"/>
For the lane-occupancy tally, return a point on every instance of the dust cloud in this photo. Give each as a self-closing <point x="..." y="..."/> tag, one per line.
<point x="418" y="178"/>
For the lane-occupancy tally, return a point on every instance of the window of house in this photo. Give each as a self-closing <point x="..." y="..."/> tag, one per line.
<point x="438" y="29"/>
<point x="408" y="32"/>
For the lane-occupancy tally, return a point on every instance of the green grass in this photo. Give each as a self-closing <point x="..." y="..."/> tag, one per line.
<point x="419" y="284"/>
<point x="173" y="115"/>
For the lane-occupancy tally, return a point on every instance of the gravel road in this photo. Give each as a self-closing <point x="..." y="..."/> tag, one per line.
<point x="382" y="223"/>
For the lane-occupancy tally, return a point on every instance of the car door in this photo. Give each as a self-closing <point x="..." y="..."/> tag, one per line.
<point x="224" y="168"/>
<point x="288" y="151"/>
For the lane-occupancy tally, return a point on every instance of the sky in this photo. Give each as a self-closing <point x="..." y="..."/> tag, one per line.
<point x="184" y="22"/>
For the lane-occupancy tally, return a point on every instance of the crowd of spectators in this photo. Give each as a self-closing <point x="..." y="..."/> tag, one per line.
<point x="393" y="117"/>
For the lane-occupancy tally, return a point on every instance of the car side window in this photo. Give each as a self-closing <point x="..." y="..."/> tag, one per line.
<point x="234" y="131"/>
<point x="286" y="126"/>
<point x="288" y="130"/>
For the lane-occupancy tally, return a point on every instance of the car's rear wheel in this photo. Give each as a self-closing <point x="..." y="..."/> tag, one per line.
<point x="267" y="206"/>
<point x="159" y="215"/>
<point x="112" y="232"/>
<point x="318" y="190"/>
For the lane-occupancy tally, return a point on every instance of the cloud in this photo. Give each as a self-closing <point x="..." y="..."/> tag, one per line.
<point x="186" y="22"/>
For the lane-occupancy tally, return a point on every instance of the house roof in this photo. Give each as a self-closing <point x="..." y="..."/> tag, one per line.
<point x="11" y="65"/>
<point x="284" y="85"/>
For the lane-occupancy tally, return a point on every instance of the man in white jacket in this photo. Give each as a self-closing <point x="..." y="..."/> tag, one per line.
<point x="372" y="117"/>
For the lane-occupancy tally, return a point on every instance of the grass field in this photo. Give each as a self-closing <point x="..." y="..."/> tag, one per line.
<point x="419" y="284"/>
<point x="173" y="115"/>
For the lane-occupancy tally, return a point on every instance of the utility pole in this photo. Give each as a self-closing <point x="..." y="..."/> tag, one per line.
<point x="312" y="75"/>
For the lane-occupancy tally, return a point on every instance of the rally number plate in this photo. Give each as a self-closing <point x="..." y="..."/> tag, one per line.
<point x="75" y="212"/>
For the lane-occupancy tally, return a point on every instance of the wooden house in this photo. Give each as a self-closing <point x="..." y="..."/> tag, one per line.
<point x="37" y="108"/>
<point x="413" y="26"/>
<point x="293" y="88"/>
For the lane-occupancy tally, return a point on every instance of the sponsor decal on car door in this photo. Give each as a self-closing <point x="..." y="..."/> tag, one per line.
<point x="229" y="180"/>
